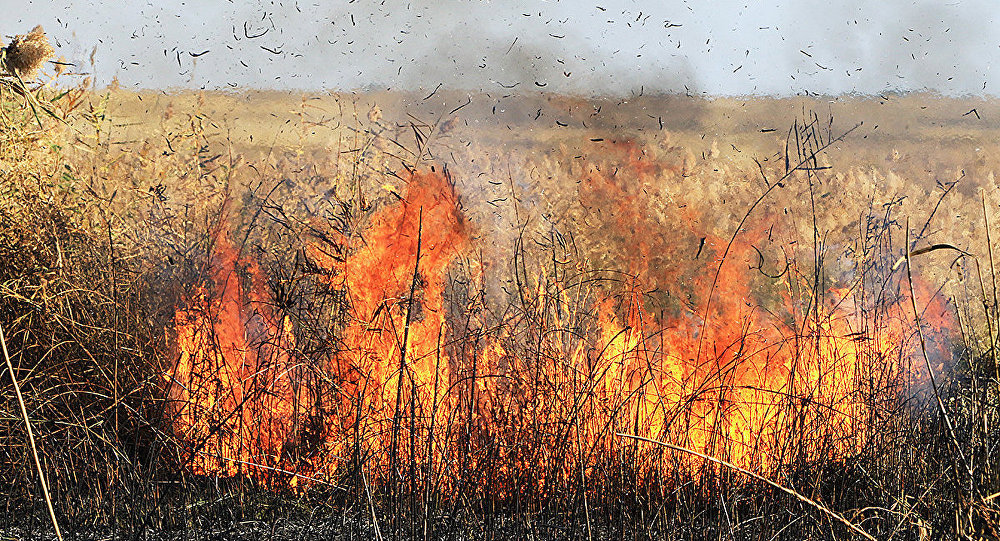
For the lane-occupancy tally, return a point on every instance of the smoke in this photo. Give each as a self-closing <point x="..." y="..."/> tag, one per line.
<point x="602" y="47"/>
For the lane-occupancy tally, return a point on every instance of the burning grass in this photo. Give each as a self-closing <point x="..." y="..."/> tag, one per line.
<point x="365" y="336"/>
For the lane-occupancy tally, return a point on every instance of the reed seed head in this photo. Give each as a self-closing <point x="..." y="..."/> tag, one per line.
<point x="27" y="53"/>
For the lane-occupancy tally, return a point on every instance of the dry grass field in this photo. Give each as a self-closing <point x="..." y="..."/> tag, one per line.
<point x="464" y="316"/>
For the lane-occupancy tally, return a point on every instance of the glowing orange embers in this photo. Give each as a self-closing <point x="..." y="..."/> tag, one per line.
<point x="532" y="395"/>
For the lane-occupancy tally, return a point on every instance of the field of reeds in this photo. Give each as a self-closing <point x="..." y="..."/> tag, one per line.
<point x="457" y="316"/>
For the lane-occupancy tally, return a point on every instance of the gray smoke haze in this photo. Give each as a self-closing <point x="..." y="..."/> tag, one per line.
<point x="606" y="47"/>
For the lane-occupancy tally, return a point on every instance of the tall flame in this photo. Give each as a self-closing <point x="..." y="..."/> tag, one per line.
<point x="233" y="392"/>
<point x="541" y="396"/>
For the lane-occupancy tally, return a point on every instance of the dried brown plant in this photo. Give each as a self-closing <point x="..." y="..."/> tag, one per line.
<point x="27" y="53"/>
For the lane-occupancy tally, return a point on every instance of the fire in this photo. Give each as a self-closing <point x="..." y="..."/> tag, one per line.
<point x="233" y="393"/>
<point x="540" y="396"/>
<point x="391" y="361"/>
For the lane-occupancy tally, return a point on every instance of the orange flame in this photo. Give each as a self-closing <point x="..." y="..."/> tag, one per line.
<point x="233" y="395"/>
<point x="738" y="382"/>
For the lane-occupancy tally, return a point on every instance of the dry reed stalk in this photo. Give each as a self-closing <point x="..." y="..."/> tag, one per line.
<point x="930" y="370"/>
<point x="993" y="275"/>
<point x="31" y="436"/>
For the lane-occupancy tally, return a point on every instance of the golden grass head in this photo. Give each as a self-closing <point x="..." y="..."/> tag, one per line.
<point x="27" y="53"/>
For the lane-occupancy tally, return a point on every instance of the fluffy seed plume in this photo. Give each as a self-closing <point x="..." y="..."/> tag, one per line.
<point x="27" y="53"/>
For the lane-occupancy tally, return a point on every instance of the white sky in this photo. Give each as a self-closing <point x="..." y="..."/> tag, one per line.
<point x="588" y="47"/>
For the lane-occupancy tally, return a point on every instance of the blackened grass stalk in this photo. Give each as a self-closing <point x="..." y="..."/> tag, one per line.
<point x="403" y="372"/>
<point x="833" y="514"/>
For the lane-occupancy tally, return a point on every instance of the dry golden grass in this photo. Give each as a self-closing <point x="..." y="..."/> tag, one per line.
<point x="107" y="224"/>
<point x="518" y="162"/>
